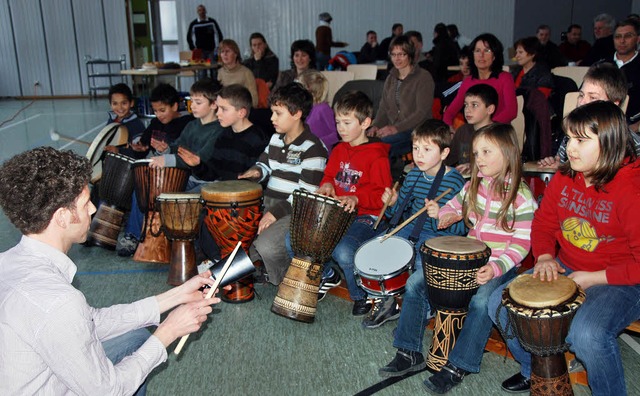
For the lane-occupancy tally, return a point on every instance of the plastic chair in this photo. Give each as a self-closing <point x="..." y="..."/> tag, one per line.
<point x="576" y="73"/>
<point x="336" y="80"/>
<point x="518" y="122"/>
<point x="571" y="102"/>
<point x="363" y="72"/>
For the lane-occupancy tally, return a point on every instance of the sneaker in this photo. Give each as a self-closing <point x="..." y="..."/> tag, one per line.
<point x="327" y="284"/>
<point x="361" y="307"/>
<point x="384" y="310"/>
<point x="404" y="362"/>
<point x="445" y="379"/>
<point x="127" y="245"/>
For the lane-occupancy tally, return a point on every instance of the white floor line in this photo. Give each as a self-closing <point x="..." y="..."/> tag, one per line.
<point x="631" y="342"/>
<point x="20" y="122"/>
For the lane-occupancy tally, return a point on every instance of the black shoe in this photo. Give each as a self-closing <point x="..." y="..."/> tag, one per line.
<point x="361" y="307"/>
<point x="404" y="362"/>
<point x="517" y="384"/>
<point x="384" y="310"/>
<point x="327" y="284"/>
<point x="445" y="379"/>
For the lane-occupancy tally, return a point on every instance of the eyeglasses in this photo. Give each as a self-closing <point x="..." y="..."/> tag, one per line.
<point x="625" y="36"/>
<point x="479" y="51"/>
<point x="398" y="54"/>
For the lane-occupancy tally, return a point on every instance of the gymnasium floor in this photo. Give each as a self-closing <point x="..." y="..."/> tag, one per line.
<point x="243" y="349"/>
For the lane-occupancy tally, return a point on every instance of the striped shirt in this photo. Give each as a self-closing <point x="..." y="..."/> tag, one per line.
<point x="289" y="167"/>
<point x="508" y="249"/>
<point x="421" y="184"/>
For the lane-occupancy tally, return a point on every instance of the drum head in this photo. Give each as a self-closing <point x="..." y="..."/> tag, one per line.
<point x="231" y="191"/>
<point x="455" y="244"/>
<point x="534" y="293"/>
<point x="386" y="258"/>
<point x="113" y="134"/>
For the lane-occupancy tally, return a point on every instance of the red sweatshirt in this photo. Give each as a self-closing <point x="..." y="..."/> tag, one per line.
<point x="595" y="230"/>
<point x="362" y="171"/>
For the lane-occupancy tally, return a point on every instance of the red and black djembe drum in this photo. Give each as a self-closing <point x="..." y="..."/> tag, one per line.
<point x="233" y="211"/>
<point x="149" y="184"/>
<point x="116" y="187"/>
<point x="450" y="265"/>
<point x="179" y="213"/>
<point x="540" y="314"/>
<point x="317" y="225"/>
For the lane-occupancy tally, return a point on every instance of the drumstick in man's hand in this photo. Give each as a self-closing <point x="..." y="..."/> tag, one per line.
<point x="386" y="205"/>
<point x="413" y="217"/>
<point x="215" y="285"/>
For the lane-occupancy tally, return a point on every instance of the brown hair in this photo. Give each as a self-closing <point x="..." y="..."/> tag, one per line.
<point x="506" y="184"/>
<point x="435" y="130"/>
<point x="608" y="122"/>
<point x="38" y="182"/>
<point x="233" y="46"/>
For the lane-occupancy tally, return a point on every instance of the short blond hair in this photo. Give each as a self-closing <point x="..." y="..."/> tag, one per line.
<point x="316" y="83"/>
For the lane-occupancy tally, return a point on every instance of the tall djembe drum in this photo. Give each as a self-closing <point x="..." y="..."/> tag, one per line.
<point x="317" y="225"/>
<point x="450" y="265"/>
<point x="540" y="314"/>
<point x="116" y="187"/>
<point x="179" y="213"/>
<point x="233" y="210"/>
<point x="149" y="184"/>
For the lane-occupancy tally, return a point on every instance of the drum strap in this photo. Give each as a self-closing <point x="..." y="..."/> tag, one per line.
<point x="433" y="191"/>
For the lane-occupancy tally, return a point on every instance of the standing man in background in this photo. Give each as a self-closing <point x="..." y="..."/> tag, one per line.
<point x="201" y="35"/>
<point x="324" y="41"/>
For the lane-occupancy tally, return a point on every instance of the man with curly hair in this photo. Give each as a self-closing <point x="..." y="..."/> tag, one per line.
<point x="51" y="341"/>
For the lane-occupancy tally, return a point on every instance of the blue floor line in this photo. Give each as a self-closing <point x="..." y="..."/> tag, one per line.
<point x="121" y="271"/>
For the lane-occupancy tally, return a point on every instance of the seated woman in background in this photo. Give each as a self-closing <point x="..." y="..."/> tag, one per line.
<point x="407" y="98"/>
<point x="321" y="119"/>
<point x="529" y="73"/>
<point x="233" y="72"/>
<point x="486" y="68"/>
<point x="303" y="57"/>
<point x="263" y="62"/>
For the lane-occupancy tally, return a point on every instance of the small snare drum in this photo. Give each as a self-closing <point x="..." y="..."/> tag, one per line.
<point x="382" y="268"/>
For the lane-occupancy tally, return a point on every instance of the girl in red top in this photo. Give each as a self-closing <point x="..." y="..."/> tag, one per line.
<point x="590" y="211"/>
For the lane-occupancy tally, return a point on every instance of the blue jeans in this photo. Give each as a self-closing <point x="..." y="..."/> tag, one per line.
<point x="124" y="345"/>
<point x="400" y="143"/>
<point x="607" y="310"/>
<point x="136" y="218"/>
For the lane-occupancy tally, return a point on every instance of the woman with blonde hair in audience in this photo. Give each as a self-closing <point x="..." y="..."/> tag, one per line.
<point x="232" y="70"/>
<point x="321" y="120"/>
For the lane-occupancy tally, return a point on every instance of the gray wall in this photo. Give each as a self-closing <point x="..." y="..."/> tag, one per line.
<point x="46" y="40"/>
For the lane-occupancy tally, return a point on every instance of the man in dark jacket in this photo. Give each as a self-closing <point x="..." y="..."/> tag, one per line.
<point x="202" y="33"/>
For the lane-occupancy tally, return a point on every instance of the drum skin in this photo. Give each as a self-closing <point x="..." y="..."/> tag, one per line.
<point x="542" y="331"/>
<point x="382" y="268"/>
<point x="317" y="225"/>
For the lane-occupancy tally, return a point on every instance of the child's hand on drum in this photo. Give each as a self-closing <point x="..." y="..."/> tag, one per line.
<point x="485" y="274"/>
<point x="448" y="219"/>
<point x="188" y="157"/>
<point x="547" y="268"/>
<point x="389" y="196"/>
<point x="252" y="173"/>
<point x="327" y="190"/>
<point x="137" y="146"/>
<point x="266" y="220"/>
<point x="157" y="162"/>
<point x="350" y="202"/>
<point x="587" y="279"/>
